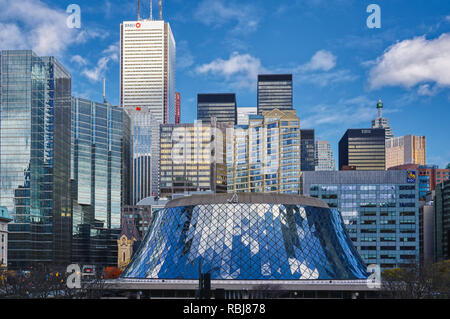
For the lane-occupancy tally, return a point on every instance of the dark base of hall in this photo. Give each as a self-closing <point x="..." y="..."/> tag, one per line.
<point x="243" y="289"/>
<point x="247" y="237"/>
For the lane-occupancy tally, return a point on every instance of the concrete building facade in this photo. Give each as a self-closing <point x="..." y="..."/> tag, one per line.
<point x="407" y="149"/>
<point x="4" y="220"/>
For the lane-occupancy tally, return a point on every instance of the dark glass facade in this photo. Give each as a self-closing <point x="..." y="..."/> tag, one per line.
<point x="35" y="157"/>
<point x="221" y="106"/>
<point x="97" y="180"/>
<point x="274" y="92"/>
<point x="246" y="241"/>
<point x="363" y="149"/>
<point x="307" y="150"/>
<point x="442" y="221"/>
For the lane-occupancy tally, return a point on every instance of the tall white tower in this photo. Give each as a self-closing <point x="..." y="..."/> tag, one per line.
<point x="147" y="68"/>
<point x="147" y="84"/>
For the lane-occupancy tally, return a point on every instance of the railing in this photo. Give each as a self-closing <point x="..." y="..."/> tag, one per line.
<point x="245" y="282"/>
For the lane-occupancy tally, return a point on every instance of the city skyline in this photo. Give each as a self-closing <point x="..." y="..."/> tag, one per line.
<point x="237" y="143"/>
<point x="333" y="52"/>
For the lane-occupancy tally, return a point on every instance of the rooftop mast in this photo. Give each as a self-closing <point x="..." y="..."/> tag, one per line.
<point x="139" y="10"/>
<point x="380" y="108"/>
<point x="160" y="10"/>
<point x="104" y="91"/>
<point x="151" y="10"/>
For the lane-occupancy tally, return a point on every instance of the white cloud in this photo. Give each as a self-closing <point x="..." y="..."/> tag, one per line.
<point x="111" y="54"/>
<point x="427" y="90"/>
<point x="185" y="58"/>
<point x="411" y="62"/>
<point x="321" y="61"/>
<point x="78" y="59"/>
<point x="31" y="24"/>
<point x="241" y="69"/>
<point x="220" y="12"/>
<point x="323" y="79"/>
<point x="320" y="70"/>
<point x="344" y="113"/>
<point x="113" y="51"/>
<point x="95" y="74"/>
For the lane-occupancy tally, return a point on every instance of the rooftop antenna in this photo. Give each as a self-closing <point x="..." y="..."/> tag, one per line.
<point x="104" y="91"/>
<point x="151" y="10"/>
<point x="160" y="10"/>
<point x="139" y="10"/>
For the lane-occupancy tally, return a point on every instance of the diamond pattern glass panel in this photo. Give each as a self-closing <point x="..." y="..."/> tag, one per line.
<point x="247" y="242"/>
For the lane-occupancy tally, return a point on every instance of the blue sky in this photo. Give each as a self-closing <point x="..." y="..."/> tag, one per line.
<point x="340" y="66"/>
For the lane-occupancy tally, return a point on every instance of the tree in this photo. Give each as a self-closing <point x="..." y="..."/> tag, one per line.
<point x="416" y="281"/>
<point x="112" y="272"/>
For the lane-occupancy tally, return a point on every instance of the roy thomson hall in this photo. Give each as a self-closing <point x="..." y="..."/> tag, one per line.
<point x="250" y="245"/>
<point x="274" y="242"/>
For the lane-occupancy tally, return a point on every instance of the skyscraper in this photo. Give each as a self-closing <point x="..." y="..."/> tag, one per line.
<point x="382" y="122"/>
<point x="145" y="156"/>
<point x="442" y="226"/>
<point x="264" y="156"/>
<point x="147" y="73"/>
<point x="35" y="158"/>
<point x="274" y="92"/>
<point x="307" y="150"/>
<point x="380" y="211"/>
<point x="97" y="180"/>
<point x="363" y="149"/>
<point x="407" y="149"/>
<point x="324" y="159"/>
<point x="221" y="106"/>
<point x="193" y="158"/>
<point x="147" y="68"/>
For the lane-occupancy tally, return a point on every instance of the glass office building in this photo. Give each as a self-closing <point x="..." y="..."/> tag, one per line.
<point x="275" y="92"/>
<point x="324" y="159"/>
<point x="442" y="221"/>
<point x="264" y="156"/>
<point x="380" y="211"/>
<point x="363" y="149"/>
<point x="145" y="155"/>
<point x="97" y="180"/>
<point x="307" y="150"/>
<point x="221" y="106"/>
<point x="247" y="237"/>
<point x="192" y="158"/>
<point x="35" y="157"/>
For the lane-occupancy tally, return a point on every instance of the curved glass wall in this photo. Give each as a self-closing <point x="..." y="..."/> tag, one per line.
<point x="247" y="242"/>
